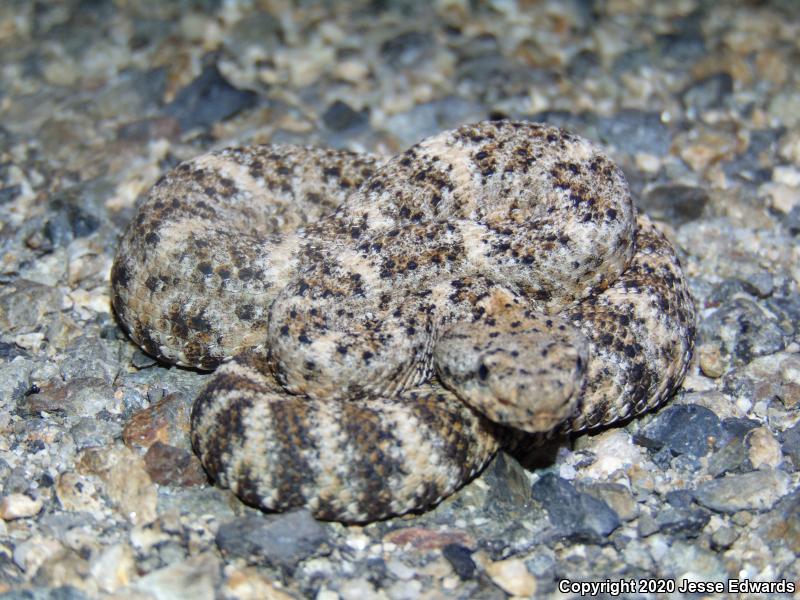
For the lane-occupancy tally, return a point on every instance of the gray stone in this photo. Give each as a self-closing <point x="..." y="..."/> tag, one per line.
<point x="737" y="427"/>
<point x="74" y="215"/>
<point x="9" y="352"/>
<point x="723" y="538"/>
<point x="634" y="131"/>
<point x="630" y="60"/>
<point x="282" y="540"/>
<point x="494" y="76"/>
<point x="208" y="99"/>
<point x="207" y="500"/>
<point x="616" y="495"/>
<point x="575" y="516"/>
<point x="743" y="330"/>
<point x="24" y="304"/>
<point x="90" y="431"/>
<point x="680" y="499"/>
<point x="707" y="93"/>
<point x="192" y="579"/>
<point x="260" y="32"/>
<point x="340" y="117"/>
<point x="66" y="592"/>
<point x="791" y="220"/>
<point x="140" y="360"/>
<point x="688" y="558"/>
<point x="407" y="49"/>
<point x="431" y="117"/>
<point x="790" y="445"/>
<point x="646" y="525"/>
<point x="731" y="458"/>
<point x="780" y="529"/>
<point x="761" y="282"/>
<point x="747" y="168"/>
<point x="460" y="558"/>
<point x="541" y="562"/>
<point x="137" y="91"/>
<point x="8" y="193"/>
<point x="682" y="523"/>
<point x="584" y="122"/>
<point x="675" y="203"/>
<point x="684" y="46"/>
<point x="18" y="481"/>
<point x="81" y="396"/>
<point x="682" y="429"/>
<point x="757" y="490"/>
<point x="91" y="357"/>
<point x="765" y="379"/>
<point x="727" y="290"/>
<point x="686" y="462"/>
<point x="584" y="64"/>
<point x="786" y="308"/>
<point x="15" y="381"/>
<point x="509" y="488"/>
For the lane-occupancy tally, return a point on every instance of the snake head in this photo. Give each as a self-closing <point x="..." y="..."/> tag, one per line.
<point x="523" y="370"/>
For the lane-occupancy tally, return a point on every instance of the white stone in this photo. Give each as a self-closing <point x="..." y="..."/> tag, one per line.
<point x="114" y="567"/>
<point x="192" y="579"/>
<point x="513" y="576"/>
<point x="19" y="506"/>
<point x="764" y="450"/>
<point x="33" y="552"/>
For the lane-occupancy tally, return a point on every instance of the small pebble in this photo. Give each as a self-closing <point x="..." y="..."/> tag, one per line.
<point x="126" y="482"/>
<point x="193" y="579"/>
<point x="340" y="117"/>
<point x="460" y="558"/>
<point x="249" y="584"/>
<point x="425" y="539"/>
<point x="513" y="577"/>
<point x="114" y="567"/>
<point x="711" y="361"/>
<point x="681" y="429"/>
<point x="758" y="490"/>
<point x="763" y="449"/>
<point x="168" y="465"/>
<point x="575" y="515"/>
<point x="30" y="554"/>
<point x="281" y="540"/>
<point x="791" y="444"/>
<point x="617" y="496"/>
<point x="19" y="506"/>
<point x="675" y="203"/>
<point x="208" y="99"/>
<point x="723" y="538"/>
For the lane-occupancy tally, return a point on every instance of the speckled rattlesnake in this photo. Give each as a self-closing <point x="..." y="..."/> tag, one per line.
<point x="389" y="322"/>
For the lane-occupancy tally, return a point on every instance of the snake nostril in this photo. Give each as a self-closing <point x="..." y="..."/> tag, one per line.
<point x="483" y="372"/>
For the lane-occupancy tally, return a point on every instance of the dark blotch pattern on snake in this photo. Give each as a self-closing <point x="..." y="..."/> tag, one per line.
<point x="393" y="323"/>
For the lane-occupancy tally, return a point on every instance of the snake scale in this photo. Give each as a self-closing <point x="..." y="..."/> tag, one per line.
<point x="380" y="327"/>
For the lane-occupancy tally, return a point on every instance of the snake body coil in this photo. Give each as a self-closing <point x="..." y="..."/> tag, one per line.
<point x="391" y="324"/>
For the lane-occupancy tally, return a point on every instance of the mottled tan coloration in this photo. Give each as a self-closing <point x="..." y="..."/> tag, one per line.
<point x="391" y="322"/>
<point x="357" y="460"/>
<point x="214" y="242"/>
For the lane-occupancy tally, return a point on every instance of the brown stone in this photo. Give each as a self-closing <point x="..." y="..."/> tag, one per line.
<point x="165" y="421"/>
<point x="427" y="539"/>
<point x="168" y="465"/>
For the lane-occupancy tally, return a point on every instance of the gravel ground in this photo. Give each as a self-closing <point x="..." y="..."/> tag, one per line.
<point x="697" y="101"/>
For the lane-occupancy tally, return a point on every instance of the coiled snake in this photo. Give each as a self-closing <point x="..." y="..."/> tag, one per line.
<point x="392" y="323"/>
